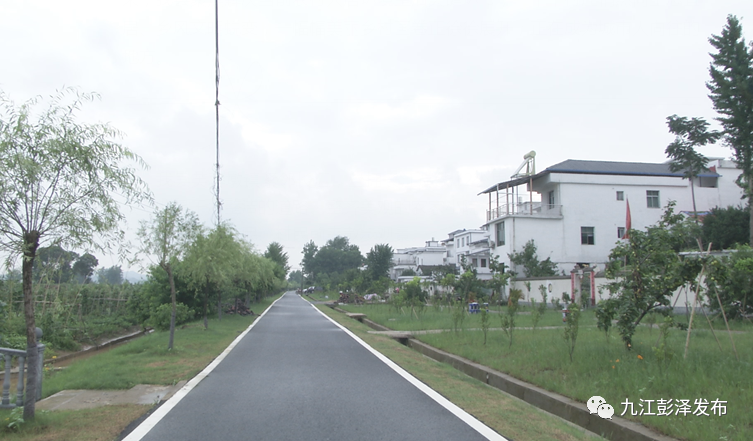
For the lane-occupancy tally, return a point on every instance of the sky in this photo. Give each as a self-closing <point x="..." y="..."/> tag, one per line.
<point x="376" y="120"/>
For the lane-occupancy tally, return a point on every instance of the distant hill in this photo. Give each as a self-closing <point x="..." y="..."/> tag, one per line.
<point x="133" y="276"/>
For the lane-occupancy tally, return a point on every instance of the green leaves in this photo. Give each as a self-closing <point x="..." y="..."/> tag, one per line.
<point x="64" y="179"/>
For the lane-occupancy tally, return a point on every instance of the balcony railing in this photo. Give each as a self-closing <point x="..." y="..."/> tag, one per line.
<point x="535" y="209"/>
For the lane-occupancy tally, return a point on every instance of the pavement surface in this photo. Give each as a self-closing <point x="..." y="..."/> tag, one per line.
<point x="85" y="399"/>
<point x="296" y="375"/>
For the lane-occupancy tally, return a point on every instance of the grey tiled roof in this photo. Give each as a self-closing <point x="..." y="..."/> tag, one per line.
<point x="600" y="168"/>
<point x="612" y="168"/>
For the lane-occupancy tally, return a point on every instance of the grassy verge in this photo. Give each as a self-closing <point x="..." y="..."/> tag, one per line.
<point x="603" y="366"/>
<point x="142" y="361"/>
<point x="507" y="415"/>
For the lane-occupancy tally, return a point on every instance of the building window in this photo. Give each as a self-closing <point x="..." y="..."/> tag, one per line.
<point x="652" y="199"/>
<point x="620" y="232"/>
<point x="587" y="235"/>
<point x="620" y="195"/>
<point x="500" y="234"/>
<point x="551" y="199"/>
<point x="483" y="263"/>
<point x="474" y="262"/>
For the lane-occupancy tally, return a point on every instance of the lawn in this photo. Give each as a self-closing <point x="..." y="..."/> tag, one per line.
<point x="603" y="366"/>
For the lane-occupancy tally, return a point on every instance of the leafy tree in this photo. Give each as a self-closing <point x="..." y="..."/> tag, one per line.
<point x="408" y="272"/>
<point x="213" y="262"/>
<point x="295" y="278"/>
<point x="689" y="134"/>
<point x="110" y="276"/>
<point x="166" y="237"/>
<point x="499" y="276"/>
<point x="58" y="185"/>
<point x="275" y="253"/>
<point x="379" y="260"/>
<point x="532" y="267"/>
<point x="732" y="278"/>
<point x="308" y="262"/>
<point x="53" y="264"/>
<point x="330" y="262"/>
<point x="83" y="269"/>
<point x="723" y="228"/>
<point x="731" y="92"/>
<point x="646" y="271"/>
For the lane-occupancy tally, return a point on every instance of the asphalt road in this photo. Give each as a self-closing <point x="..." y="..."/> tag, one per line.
<point x="298" y="376"/>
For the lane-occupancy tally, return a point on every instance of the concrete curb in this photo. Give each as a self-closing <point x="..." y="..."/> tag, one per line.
<point x="616" y="429"/>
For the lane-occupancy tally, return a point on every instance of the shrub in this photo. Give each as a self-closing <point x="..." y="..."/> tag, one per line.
<point x="160" y="318"/>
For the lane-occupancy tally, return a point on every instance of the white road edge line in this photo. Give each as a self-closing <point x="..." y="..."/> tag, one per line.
<point x="464" y="416"/>
<point x="142" y="429"/>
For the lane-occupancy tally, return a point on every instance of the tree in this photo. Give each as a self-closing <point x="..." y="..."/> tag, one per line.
<point x="689" y="134"/>
<point x="731" y="92"/>
<point x="53" y="264"/>
<point x="532" y="267"/>
<point x="110" y="276"/>
<point x="646" y="271"/>
<point x="166" y="236"/>
<point x="275" y="254"/>
<point x="212" y="262"/>
<point x="309" y="259"/>
<point x="379" y="259"/>
<point x="331" y="261"/>
<point x="83" y="269"/>
<point x="295" y="278"/>
<point x="723" y="228"/>
<point x="58" y="185"/>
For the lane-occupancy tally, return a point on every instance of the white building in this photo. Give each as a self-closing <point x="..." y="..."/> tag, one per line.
<point x="417" y="258"/>
<point x="473" y="246"/>
<point x="575" y="211"/>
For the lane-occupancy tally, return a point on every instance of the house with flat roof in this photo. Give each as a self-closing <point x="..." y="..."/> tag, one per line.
<point x="576" y="211"/>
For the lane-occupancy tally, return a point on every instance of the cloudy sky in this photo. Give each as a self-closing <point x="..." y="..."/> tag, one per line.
<point x="376" y="120"/>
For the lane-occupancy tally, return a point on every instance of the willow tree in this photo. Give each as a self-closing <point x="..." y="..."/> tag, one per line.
<point x="167" y="236"/>
<point x="212" y="262"/>
<point x="62" y="182"/>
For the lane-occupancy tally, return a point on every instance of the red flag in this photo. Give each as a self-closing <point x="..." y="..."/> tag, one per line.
<point x="627" y="221"/>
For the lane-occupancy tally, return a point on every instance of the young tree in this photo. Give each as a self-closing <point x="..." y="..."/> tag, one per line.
<point x="646" y="271"/>
<point x="689" y="134"/>
<point x="58" y="185"/>
<point x="166" y="237"/>
<point x="731" y="92"/>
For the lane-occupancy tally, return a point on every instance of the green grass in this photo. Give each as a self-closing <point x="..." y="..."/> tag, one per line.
<point x="605" y="367"/>
<point x="439" y="317"/>
<point x="146" y="360"/>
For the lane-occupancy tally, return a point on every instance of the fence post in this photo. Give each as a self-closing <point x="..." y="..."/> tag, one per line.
<point x="40" y="370"/>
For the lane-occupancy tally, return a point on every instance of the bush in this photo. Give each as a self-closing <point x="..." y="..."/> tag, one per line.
<point x="13" y="341"/>
<point x="160" y="318"/>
